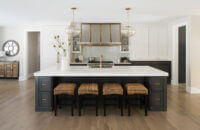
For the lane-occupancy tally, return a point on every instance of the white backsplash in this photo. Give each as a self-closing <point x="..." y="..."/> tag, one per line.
<point x="111" y="53"/>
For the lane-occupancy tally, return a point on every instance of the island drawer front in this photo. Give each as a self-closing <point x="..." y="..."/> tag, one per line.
<point x="45" y="99"/>
<point x="156" y="84"/>
<point x="157" y="99"/>
<point x="45" y="84"/>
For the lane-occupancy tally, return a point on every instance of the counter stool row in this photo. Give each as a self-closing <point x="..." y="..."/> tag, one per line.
<point x="109" y="89"/>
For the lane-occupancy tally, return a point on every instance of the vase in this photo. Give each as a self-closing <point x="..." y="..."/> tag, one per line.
<point x="64" y="63"/>
<point x="58" y="58"/>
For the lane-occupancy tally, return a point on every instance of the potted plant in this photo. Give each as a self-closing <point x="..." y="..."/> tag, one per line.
<point x="124" y="59"/>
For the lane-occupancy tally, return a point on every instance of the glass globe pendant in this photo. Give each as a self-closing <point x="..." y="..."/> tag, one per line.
<point x="128" y="30"/>
<point x="71" y="29"/>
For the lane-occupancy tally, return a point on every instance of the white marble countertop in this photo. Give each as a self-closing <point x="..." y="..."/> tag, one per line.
<point x="115" y="71"/>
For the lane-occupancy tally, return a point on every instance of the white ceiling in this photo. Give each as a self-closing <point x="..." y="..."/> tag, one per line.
<point x="15" y="12"/>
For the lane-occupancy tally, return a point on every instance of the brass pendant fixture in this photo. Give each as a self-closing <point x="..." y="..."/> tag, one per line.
<point x="72" y="29"/>
<point x="128" y="30"/>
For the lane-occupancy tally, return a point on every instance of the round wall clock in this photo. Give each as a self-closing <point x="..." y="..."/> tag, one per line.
<point x="11" y="48"/>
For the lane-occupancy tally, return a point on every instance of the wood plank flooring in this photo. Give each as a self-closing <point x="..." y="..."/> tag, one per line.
<point x="17" y="112"/>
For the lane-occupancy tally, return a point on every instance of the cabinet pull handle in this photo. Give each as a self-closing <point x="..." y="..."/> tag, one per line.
<point x="44" y="84"/>
<point x="157" y="99"/>
<point x="44" y="99"/>
<point x="157" y="83"/>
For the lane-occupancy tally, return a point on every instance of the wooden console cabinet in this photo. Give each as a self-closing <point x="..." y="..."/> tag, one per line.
<point x="9" y="69"/>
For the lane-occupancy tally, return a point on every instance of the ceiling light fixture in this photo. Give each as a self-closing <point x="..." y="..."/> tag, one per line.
<point x="72" y="28"/>
<point x="128" y="30"/>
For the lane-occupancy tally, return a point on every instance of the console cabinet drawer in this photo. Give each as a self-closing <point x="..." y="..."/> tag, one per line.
<point x="45" y="84"/>
<point x="45" y="99"/>
<point x="2" y="70"/>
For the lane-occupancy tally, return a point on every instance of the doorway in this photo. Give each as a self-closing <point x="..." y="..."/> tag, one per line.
<point x="182" y="54"/>
<point x="33" y="53"/>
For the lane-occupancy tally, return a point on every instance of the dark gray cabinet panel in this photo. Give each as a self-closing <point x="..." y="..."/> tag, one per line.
<point x="45" y="99"/>
<point x="44" y="84"/>
<point x="156" y="99"/>
<point x="162" y="65"/>
<point x="43" y="93"/>
<point x="158" y="93"/>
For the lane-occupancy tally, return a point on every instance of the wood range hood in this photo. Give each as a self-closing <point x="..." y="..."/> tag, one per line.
<point x="100" y="34"/>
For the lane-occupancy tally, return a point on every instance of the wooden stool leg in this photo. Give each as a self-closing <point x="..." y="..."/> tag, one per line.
<point x="119" y="101"/>
<point x="72" y="112"/>
<point x="126" y="102"/>
<point x="121" y="105"/>
<point x="55" y="105"/>
<point x="104" y="105"/>
<point x="79" y="105"/>
<point x="129" y="106"/>
<point x="75" y="99"/>
<point x="97" y="103"/>
<point x="146" y="104"/>
<point x="141" y="101"/>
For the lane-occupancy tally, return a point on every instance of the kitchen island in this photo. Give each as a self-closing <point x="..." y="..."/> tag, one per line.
<point x="154" y="79"/>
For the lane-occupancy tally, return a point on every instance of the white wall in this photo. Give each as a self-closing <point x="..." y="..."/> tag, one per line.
<point x="150" y="42"/>
<point x="195" y="48"/>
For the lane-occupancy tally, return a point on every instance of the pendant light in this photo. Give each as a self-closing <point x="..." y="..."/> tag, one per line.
<point x="72" y="28"/>
<point x="128" y="30"/>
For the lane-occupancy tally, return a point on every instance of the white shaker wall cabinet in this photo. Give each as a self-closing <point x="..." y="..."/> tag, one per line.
<point x="150" y="42"/>
<point x="139" y="43"/>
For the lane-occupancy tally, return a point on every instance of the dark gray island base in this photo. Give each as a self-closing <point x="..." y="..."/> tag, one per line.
<point x="44" y="85"/>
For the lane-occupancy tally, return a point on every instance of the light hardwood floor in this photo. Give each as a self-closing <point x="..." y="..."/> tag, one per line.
<point x="17" y="112"/>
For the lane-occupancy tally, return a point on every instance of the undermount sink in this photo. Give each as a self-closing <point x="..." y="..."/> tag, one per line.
<point x="96" y="64"/>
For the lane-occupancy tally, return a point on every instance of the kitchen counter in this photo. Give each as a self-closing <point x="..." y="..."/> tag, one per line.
<point x="154" y="79"/>
<point x="114" y="71"/>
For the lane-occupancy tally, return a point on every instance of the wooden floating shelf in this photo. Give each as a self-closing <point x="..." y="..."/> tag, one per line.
<point x="100" y="44"/>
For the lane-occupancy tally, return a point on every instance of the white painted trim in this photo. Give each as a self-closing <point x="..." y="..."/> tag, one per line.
<point x="22" y="78"/>
<point x="26" y="31"/>
<point x="29" y="76"/>
<point x="194" y="90"/>
<point x="175" y="54"/>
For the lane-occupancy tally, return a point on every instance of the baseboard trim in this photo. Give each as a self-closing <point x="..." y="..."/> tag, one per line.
<point x="30" y="75"/>
<point x="22" y="78"/>
<point x="194" y="90"/>
<point x="175" y="83"/>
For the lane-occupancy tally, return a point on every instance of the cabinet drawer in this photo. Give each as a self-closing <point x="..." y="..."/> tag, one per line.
<point x="45" y="84"/>
<point x="2" y="70"/>
<point x="156" y="84"/>
<point x="157" y="99"/>
<point x="44" y="99"/>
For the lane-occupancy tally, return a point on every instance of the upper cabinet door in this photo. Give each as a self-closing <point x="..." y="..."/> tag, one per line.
<point x="116" y="32"/>
<point x="95" y="33"/>
<point x="106" y="37"/>
<point x="85" y="33"/>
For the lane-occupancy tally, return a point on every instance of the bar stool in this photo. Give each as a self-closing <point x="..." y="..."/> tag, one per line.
<point x="88" y="89"/>
<point x="114" y="89"/>
<point x="65" y="89"/>
<point x="136" y="89"/>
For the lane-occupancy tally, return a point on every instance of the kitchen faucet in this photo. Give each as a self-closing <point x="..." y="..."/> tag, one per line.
<point x="101" y="59"/>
